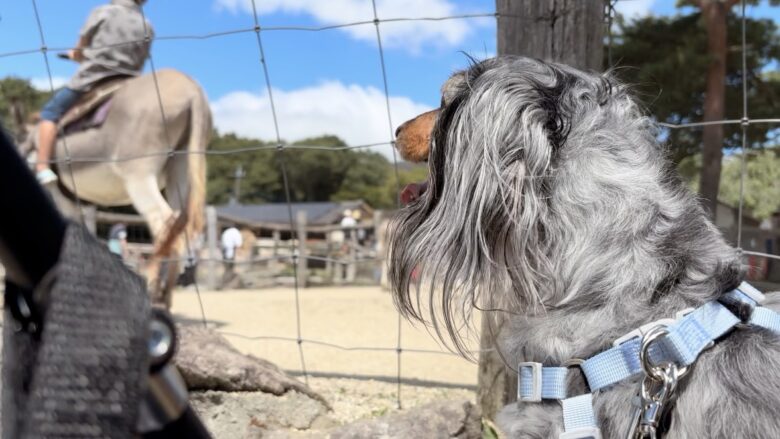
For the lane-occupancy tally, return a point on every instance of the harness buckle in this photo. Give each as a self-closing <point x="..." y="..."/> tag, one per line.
<point x="582" y="433"/>
<point x="644" y="329"/>
<point x="536" y="381"/>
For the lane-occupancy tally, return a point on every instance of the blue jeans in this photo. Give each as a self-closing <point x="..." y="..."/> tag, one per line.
<point x="61" y="102"/>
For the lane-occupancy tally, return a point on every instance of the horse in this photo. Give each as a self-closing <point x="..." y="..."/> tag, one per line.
<point x="154" y="138"/>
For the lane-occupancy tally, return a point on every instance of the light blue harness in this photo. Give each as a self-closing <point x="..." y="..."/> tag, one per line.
<point x="684" y="337"/>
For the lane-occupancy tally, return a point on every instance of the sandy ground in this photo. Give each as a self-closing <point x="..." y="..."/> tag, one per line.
<point x="345" y="316"/>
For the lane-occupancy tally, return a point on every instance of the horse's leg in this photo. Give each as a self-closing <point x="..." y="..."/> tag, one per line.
<point x="145" y="195"/>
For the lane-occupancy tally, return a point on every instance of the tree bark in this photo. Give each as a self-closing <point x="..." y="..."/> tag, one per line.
<point x="565" y="31"/>
<point x="714" y="13"/>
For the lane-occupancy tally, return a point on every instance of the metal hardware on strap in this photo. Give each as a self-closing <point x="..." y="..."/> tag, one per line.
<point x="656" y="393"/>
<point x="662" y="350"/>
<point x="644" y="329"/>
<point x="651" y="370"/>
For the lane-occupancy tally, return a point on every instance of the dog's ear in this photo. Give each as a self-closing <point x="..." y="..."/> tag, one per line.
<point x="477" y="236"/>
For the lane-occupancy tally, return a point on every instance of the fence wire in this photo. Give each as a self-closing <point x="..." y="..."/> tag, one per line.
<point x="283" y="149"/>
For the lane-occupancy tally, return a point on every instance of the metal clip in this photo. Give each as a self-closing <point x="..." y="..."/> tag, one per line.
<point x="656" y="392"/>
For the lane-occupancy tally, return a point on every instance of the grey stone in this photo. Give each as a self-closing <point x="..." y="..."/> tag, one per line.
<point x="448" y="419"/>
<point x="238" y="415"/>
<point x="207" y="361"/>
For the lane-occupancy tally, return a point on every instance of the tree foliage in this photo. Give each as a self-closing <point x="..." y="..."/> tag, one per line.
<point x="664" y="61"/>
<point x="18" y="99"/>
<point x="761" y="191"/>
<point x="318" y="169"/>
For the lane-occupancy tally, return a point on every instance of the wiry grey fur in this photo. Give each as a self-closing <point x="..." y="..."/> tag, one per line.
<point x="550" y="199"/>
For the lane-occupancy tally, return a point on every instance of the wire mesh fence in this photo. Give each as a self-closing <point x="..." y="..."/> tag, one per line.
<point x="285" y="154"/>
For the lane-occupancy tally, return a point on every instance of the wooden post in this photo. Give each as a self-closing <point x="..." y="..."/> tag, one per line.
<point x="213" y="246"/>
<point x="302" y="261"/>
<point x="565" y="31"/>
<point x="328" y="255"/>
<point x="381" y="253"/>
<point x="277" y="236"/>
<point x="352" y="255"/>
<point x="90" y="219"/>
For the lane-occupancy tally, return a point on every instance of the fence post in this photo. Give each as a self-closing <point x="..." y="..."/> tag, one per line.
<point x="277" y="236"/>
<point x="90" y="219"/>
<point x="301" y="233"/>
<point x="351" y="266"/>
<point x="379" y="247"/>
<point x="211" y="238"/>
<point x="328" y="255"/>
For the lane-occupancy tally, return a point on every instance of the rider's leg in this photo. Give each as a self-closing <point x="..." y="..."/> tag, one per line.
<point x="47" y="136"/>
<point x="52" y="112"/>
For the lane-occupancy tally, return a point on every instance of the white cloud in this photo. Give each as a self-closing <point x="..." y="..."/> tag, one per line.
<point x="632" y="9"/>
<point x="42" y="82"/>
<point x="356" y="114"/>
<point x="410" y="35"/>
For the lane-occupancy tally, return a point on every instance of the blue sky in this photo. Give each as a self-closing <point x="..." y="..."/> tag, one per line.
<point x="324" y="82"/>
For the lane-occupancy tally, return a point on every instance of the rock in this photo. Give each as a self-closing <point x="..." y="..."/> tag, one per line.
<point x="239" y="415"/>
<point x="449" y="419"/>
<point x="207" y="361"/>
<point x="439" y="420"/>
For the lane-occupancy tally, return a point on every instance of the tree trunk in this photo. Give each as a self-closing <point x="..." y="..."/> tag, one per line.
<point x="566" y="31"/>
<point x="714" y="13"/>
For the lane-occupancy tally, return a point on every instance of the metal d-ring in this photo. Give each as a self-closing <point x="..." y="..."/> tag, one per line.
<point x="577" y="363"/>
<point x="655" y="371"/>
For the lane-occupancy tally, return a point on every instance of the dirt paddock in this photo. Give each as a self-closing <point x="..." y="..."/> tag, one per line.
<point x="263" y="322"/>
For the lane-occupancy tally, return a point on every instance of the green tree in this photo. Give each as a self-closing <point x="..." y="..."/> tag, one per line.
<point x="761" y="191"/>
<point x="672" y="59"/>
<point x="366" y="179"/>
<point x="318" y="169"/>
<point x="714" y="14"/>
<point x="316" y="174"/>
<point x="261" y="180"/>
<point x="18" y="100"/>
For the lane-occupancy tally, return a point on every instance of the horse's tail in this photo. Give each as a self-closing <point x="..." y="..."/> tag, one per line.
<point x="200" y="133"/>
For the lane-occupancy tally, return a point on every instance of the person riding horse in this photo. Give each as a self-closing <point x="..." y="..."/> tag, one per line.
<point x="114" y="41"/>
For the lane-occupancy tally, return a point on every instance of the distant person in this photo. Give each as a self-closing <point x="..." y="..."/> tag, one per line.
<point x="111" y="43"/>
<point x="231" y="241"/>
<point x="348" y="219"/>
<point x="347" y="223"/>
<point x="117" y="240"/>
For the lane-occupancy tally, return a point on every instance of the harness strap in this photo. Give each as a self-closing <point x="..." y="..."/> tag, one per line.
<point x="579" y="421"/>
<point x="688" y="336"/>
<point x="536" y="382"/>
<point x="765" y="318"/>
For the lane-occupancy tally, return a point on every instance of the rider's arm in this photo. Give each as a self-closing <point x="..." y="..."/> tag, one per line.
<point x="89" y="29"/>
<point x="77" y="54"/>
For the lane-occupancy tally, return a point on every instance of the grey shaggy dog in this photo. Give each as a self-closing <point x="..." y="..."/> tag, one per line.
<point x="550" y="199"/>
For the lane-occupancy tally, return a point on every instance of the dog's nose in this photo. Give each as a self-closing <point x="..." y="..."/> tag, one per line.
<point x="399" y="129"/>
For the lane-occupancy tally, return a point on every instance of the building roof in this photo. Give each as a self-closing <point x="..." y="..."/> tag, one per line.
<point x="317" y="213"/>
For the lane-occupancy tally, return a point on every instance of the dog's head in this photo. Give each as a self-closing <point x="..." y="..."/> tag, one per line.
<point x="538" y="174"/>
